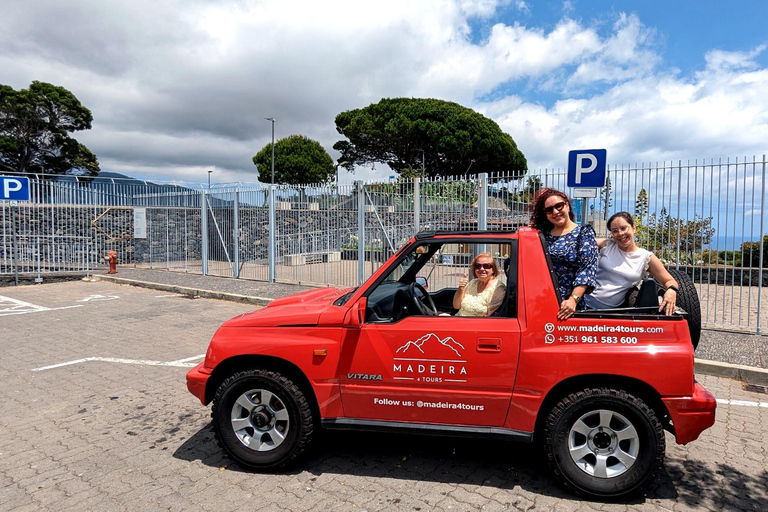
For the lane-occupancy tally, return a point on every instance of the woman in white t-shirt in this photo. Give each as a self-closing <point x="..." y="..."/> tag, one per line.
<point x="623" y="265"/>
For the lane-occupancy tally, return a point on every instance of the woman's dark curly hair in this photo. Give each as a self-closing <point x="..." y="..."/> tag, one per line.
<point x="539" y="218"/>
<point x="624" y="215"/>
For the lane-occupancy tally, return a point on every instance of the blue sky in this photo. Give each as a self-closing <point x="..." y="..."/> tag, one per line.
<point x="680" y="33"/>
<point x="683" y="29"/>
<point x="181" y="87"/>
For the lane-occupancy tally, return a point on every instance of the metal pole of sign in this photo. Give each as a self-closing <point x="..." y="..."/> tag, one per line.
<point x="14" y="207"/>
<point x="584" y="210"/>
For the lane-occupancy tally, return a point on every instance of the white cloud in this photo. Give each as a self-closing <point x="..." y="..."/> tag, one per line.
<point x="622" y="56"/>
<point x="650" y="118"/>
<point x="720" y="60"/>
<point x="177" y="88"/>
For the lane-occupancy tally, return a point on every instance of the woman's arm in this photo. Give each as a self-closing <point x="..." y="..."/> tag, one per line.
<point x="601" y="242"/>
<point x="587" y="255"/>
<point x="459" y="295"/>
<point x="584" y="280"/>
<point x="659" y="273"/>
<point x="568" y="306"/>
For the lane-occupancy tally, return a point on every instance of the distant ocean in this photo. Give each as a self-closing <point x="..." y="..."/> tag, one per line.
<point x="730" y="243"/>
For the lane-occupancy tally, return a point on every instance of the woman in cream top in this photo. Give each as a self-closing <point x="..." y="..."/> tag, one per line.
<point x="482" y="295"/>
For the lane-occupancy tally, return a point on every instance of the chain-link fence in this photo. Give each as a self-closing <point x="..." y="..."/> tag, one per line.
<point x="706" y="218"/>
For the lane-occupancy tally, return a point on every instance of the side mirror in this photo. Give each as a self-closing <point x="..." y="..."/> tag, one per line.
<point x="356" y="314"/>
<point x="422" y="281"/>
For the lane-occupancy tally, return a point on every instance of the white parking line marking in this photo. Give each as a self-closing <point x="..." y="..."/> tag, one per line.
<point x="186" y="360"/>
<point x="9" y="306"/>
<point x="166" y="296"/>
<point x="745" y="403"/>
<point x="181" y="363"/>
<point x="99" y="297"/>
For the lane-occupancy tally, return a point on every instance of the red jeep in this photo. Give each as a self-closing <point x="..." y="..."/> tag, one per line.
<point x="596" y="390"/>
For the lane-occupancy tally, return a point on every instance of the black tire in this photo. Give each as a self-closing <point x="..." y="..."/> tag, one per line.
<point x="262" y="419"/>
<point x="612" y="424"/>
<point x="688" y="300"/>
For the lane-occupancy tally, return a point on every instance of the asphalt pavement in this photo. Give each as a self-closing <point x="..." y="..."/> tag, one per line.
<point x="735" y="355"/>
<point x="96" y="417"/>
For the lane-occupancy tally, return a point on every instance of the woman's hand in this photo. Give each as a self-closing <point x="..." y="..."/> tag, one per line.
<point x="668" y="302"/>
<point x="567" y="308"/>
<point x="459" y="295"/>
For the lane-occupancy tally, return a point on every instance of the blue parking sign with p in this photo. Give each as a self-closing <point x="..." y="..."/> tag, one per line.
<point x="587" y="168"/>
<point x="13" y="188"/>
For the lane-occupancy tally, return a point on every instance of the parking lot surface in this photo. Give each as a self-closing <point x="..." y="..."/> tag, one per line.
<point x="96" y="416"/>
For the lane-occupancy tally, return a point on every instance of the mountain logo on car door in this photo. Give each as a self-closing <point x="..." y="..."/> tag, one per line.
<point x="430" y="340"/>
<point x="430" y="359"/>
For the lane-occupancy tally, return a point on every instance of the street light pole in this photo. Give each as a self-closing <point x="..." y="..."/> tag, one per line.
<point x="423" y="159"/>
<point x="209" y="180"/>
<point x="273" y="147"/>
<point x="337" y="171"/>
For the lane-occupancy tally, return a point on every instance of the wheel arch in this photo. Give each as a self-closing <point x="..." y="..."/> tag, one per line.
<point x="250" y="361"/>
<point x="573" y="384"/>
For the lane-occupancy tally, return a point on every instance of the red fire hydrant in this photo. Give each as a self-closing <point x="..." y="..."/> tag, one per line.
<point x="112" y="258"/>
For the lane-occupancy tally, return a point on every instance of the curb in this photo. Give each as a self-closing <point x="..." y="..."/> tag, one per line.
<point x="192" y="292"/>
<point x="748" y="374"/>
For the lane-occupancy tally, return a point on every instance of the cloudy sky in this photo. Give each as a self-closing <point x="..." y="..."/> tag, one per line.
<point x="178" y="88"/>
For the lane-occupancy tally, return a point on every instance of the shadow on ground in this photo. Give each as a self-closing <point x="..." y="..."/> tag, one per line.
<point x="504" y="465"/>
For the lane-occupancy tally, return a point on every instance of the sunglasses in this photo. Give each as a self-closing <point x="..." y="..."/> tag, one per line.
<point x="557" y="206"/>
<point x="486" y="266"/>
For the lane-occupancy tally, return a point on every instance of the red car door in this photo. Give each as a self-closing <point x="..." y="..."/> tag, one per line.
<point x="431" y="369"/>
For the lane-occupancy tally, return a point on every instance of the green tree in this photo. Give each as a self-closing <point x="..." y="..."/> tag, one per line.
<point x="659" y="233"/>
<point x="532" y="185"/>
<point x="605" y="198"/>
<point x="641" y="205"/>
<point x="298" y="160"/>
<point x="452" y="140"/>
<point x="750" y="253"/>
<point x="35" y="127"/>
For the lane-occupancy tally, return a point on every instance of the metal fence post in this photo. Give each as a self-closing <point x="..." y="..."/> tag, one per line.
<point x="679" y="187"/>
<point x="203" y="231"/>
<point x="236" y="235"/>
<point x="417" y="204"/>
<point x="361" y="232"/>
<point x="482" y="201"/>
<point x="272" y="237"/>
<point x="760" y="271"/>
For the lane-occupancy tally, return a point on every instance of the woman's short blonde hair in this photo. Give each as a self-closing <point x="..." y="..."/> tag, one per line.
<point x="486" y="255"/>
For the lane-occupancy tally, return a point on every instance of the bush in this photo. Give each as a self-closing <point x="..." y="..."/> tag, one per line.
<point x="750" y="253"/>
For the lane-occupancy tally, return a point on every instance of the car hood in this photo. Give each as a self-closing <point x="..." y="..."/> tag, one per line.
<point x="299" y="309"/>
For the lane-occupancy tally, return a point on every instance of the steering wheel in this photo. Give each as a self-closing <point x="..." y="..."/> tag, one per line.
<point x="424" y="304"/>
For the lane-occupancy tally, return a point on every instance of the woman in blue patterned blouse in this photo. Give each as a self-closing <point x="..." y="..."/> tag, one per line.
<point x="572" y="248"/>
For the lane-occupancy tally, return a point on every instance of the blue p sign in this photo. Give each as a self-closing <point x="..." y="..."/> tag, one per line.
<point x="586" y="168"/>
<point x="14" y="189"/>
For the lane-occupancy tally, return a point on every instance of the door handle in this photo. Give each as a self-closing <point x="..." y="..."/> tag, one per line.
<point x="489" y="344"/>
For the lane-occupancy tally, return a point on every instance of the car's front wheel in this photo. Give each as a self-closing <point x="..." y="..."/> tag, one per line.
<point x="604" y="443"/>
<point x="262" y="419"/>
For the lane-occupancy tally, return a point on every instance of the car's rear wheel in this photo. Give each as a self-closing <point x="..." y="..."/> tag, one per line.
<point x="262" y="419"/>
<point x="604" y="443"/>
